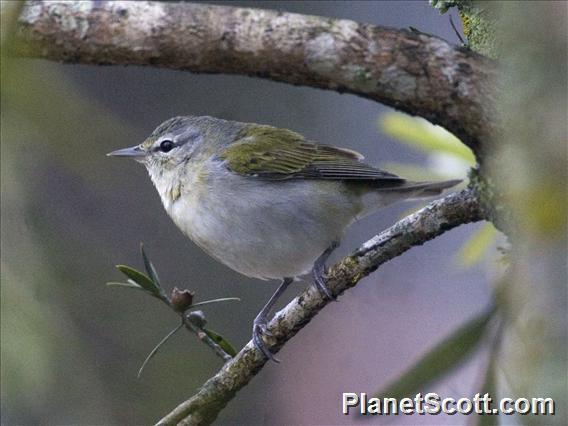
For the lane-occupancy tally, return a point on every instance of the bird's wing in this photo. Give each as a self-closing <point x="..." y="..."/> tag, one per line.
<point x="277" y="154"/>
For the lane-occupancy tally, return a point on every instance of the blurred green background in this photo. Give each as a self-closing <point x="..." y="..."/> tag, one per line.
<point x="71" y="347"/>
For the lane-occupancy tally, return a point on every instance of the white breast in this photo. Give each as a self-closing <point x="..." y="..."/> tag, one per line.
<point x="261" y="229"/>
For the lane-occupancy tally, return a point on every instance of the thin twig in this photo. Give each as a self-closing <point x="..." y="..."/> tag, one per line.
<point x="198" y="330"/>
<point x="157" y="347"/>
<point x="202" y="335"/>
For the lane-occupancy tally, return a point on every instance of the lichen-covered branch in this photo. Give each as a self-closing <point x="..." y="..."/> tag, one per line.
<point x="413" y="72"/>
<point x="479" y="22"/>
<point x="414" y="230"/>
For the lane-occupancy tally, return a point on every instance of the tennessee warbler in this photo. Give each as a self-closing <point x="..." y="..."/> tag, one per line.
<point x="265" y="201"/>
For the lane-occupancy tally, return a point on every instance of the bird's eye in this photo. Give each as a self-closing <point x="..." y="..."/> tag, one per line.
<point x="166" y="146"/>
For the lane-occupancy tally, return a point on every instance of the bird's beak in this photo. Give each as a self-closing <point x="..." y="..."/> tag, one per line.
<point x="134" y="151"/>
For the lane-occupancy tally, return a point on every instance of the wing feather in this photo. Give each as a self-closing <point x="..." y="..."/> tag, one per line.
<point x="276" y="154"/>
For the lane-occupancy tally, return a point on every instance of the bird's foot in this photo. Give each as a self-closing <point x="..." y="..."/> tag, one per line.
<point x="259" y="329"/>
<point x="319" y="281"/>
<point x="318" y="272"/>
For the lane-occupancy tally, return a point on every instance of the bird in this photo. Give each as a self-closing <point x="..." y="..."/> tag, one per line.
<point x="265" y="201"/>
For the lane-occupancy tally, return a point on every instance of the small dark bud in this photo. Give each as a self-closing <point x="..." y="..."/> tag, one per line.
<point x="181" y="299"/>
<point x="197" y="318"/>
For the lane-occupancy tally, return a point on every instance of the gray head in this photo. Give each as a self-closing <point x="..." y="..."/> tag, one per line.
<point x="177" y="140"/>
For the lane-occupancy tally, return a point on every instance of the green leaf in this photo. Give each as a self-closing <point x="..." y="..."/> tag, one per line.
<point x="490" y="380"/>
<point x="423" y="135"/>
<point x="141" y="279"/>
<point x="157" y="347"/>
<point x="440" y="360"/>
<point x="490" y="388"/>
<point x="129" y="284"/>
<point x="221" y="341"/>
<point x="149" y="267"/>
<point x="474" y="249"/>
<point x="210" y="302"/>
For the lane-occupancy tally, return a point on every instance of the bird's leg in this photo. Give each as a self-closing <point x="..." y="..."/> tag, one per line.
<point x="259" y="323"/>
<point x="318" y="271"/>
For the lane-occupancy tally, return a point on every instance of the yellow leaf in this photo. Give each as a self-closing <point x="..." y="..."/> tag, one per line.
<point x="423" y="135"/>
<point x="474" y="249"/>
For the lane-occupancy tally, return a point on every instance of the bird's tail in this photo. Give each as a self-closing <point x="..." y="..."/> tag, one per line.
<point x="386" y="194"/>
<point x="417" y="190"/>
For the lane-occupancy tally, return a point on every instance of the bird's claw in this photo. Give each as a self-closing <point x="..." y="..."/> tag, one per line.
<point x="320" y="284"/>
<point x="259" y="328"/>
<point x="262" y="328"/>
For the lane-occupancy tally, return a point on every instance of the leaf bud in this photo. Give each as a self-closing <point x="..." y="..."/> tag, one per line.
<point x="181" y="299"/>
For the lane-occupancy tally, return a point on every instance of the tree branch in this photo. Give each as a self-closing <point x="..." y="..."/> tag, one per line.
<point x="415" y="73"/>
<point x="434" y="219"/>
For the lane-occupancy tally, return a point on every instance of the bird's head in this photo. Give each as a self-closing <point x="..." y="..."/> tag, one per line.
<point x="170" y="146"/>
